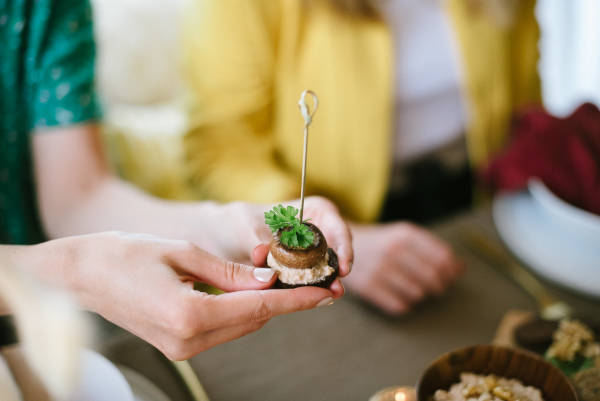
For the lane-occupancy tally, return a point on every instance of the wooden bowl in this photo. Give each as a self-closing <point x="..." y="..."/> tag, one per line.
<point x="512" y="363"/>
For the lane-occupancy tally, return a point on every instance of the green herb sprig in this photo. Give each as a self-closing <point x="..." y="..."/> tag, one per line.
<point x="569" y="368"/>
<point x="298" y="235"/>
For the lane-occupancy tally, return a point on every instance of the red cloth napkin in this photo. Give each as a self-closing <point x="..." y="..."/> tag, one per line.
<point x="563" y="153"/>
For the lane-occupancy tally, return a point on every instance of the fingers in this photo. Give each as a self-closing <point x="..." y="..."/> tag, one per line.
<point x="435" y="252"/>
<point x="404" y="286"/>
<point x="337" y="288"/>
<point x="341" y="243"/>
<point x="182" y="348"/>
<point x="426" y="275"/>
<point x="225" y="275"/>
<point x="259" y="255"/>
<point x="326" y="216"/>
<point x="387" y="300"/>
<point x="256" y="306"/>
<point x="196" y="321"/>
<point x="220" y="336"/>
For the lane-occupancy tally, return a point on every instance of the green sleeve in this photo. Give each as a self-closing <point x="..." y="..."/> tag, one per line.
<point x="60" y="66"/>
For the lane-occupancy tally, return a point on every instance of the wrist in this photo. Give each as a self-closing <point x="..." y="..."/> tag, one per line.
<point x="200" y="223"/>
<point x="53" y="262"/>
<point x="238" y="228"/>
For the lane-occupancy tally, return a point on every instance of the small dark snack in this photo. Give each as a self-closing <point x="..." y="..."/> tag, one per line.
<point x="536" y="335"/>
<point x="587" y="383"/>
<point x="324" y="282"/>
<point x="298" y="251"/>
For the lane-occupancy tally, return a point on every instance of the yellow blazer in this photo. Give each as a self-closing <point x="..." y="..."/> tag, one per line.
<point x="247" y="61"/>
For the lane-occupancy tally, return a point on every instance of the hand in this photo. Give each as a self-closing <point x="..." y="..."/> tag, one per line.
<point x="145" y="285"/>
<point x="398" y="265"/>
<point x="322" y="212"/>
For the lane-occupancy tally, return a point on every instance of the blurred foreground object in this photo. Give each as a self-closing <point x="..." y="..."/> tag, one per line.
<point x="563" y="153"/>
<point x="52" y="333"/>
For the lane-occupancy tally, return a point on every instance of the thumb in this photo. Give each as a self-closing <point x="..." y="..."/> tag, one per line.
<point x="259" y="255"/>
<point x="220" y="273"/>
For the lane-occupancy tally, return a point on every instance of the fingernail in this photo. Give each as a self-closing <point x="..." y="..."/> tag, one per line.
<point x="263" y="275"/>
<point x="350" y="267"/>
<point x="325" y="302"/>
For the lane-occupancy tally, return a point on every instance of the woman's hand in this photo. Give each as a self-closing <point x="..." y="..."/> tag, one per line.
<point x="324" y="214"/>
<point x="145" y="285"/>
<point x="398" y="265"/>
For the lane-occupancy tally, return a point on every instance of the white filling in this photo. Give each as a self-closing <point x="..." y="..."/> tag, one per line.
<point x="290" y="275"/>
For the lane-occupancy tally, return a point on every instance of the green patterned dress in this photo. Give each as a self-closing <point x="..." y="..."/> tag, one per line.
<point x="47" y="80"/>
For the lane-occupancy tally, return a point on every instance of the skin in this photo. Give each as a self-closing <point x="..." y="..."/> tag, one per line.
<point x="144" y="283"/>
<point x="396" y="268"/>
<point x="77" y="194"/>
<point x="400" y="264"/>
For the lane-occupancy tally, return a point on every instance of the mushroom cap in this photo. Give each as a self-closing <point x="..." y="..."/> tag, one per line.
<point x="300" y="258"/>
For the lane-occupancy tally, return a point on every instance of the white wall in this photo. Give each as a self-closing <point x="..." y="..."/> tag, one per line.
<point x="570" y="53"/>
<point x="138" y="43"/>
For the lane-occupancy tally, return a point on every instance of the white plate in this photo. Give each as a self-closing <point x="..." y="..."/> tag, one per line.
<point x="143" y="389"/>
<point x="100" y="380"/>
<point x="580" y="222"/>
<point x="539" y="241"/>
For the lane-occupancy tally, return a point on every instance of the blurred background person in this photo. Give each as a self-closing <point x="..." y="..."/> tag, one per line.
<point x="55" y="183"/>
<point x="414" y="96"/>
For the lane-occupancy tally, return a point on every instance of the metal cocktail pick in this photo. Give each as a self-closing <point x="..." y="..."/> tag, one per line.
<point x="307" y="114"/>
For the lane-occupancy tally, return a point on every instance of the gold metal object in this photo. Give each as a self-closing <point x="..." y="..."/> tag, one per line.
<point x="307" y="114"/>
<point x="550" y="307"/>
<point x="190" y="380"/>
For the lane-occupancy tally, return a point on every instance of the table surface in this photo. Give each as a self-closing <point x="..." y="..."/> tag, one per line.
<point x="348" y="351"/>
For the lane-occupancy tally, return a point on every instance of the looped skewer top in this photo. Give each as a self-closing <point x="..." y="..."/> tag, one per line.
<point x="307" y="114"/>
<point x="305" y="109"/>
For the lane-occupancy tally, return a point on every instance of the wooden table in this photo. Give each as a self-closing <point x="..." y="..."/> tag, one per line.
<point x="348" y="351"/>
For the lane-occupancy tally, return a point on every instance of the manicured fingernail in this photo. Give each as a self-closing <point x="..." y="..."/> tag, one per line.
<point x="263" y="275"/>
<point x="325" y="302"/>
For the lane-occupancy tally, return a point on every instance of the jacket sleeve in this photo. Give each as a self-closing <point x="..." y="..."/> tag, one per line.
<point x="229" y="58"/>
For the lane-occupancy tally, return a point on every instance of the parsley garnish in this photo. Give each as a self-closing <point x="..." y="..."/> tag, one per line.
<point x="294" y="233"/>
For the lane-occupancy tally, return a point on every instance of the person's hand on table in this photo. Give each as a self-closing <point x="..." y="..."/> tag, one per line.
<point x="399" y="264"/>
<point x="323" y="213"/>
<point x="145" y="285"/>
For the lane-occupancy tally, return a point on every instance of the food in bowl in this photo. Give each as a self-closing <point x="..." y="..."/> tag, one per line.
<point x="473" y="387"/>
<point x="502" y="362"/>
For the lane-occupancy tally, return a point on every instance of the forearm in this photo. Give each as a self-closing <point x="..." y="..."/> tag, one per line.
<point x="78" y="194"/>
<point x="114" y="205"/>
